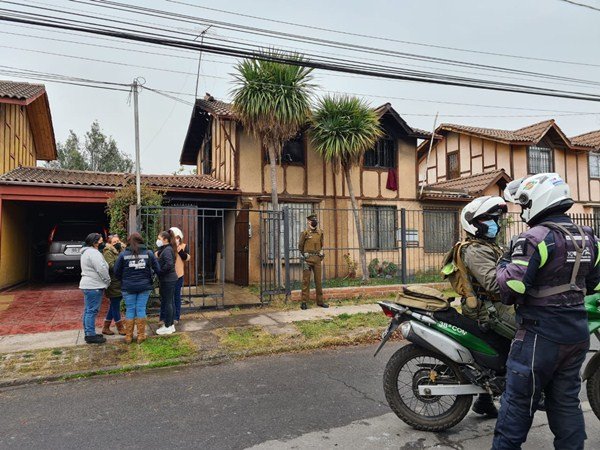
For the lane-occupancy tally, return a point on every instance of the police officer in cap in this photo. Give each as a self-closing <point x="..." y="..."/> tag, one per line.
<point x="546" y="275"/>
<point x="311" y="251"/>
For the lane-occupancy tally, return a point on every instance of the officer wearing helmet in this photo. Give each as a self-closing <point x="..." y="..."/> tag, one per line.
<point x="546" y="275"/>
<point x="471" y="269"/>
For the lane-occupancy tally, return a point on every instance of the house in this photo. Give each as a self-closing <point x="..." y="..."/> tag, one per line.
<point x="464" y="156"/>
<point x="26" y="132"/>
<point x="385" y="184"/>
<point x="34" y="199"/>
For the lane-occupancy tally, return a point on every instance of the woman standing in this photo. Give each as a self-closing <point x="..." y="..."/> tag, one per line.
<point x="181" y="258"/>
<point x="94" y="279"/>
<point x="113" y="292"/>
<point x="134" y="267"/>
<point x="167" y="249"/>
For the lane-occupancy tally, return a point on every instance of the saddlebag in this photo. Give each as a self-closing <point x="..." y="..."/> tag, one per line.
<point x="422" y="297"/>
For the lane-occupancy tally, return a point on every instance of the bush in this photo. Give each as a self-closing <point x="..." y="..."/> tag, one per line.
<point x="117" y="209"/>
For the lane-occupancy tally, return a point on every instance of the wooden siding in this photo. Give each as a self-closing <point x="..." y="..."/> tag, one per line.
<point x="17" y="146"/>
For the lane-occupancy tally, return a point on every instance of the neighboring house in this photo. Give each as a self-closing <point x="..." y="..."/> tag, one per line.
<point x="34" y="199"/>
<point x="385" y="183"/>
<point x="461" y="154"/>
<point x="26" y="132"/>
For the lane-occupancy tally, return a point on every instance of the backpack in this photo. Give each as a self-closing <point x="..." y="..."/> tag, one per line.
<point x="455" y="271"/>
<point x="422" y="297"/>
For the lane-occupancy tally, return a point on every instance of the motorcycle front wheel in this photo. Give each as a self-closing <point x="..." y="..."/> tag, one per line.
<point x="593" y="392"/>
<point x="412" y="366"/>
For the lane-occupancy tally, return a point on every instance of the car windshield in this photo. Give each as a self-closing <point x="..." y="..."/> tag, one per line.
<point x="75" y="231"/>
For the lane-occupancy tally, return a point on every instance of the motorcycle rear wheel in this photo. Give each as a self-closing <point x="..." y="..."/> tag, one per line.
<point x="427" y="365"/>
<point x="593" y="392"/>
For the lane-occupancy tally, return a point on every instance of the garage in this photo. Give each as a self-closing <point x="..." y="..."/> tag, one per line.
<point x="39" y="206"/>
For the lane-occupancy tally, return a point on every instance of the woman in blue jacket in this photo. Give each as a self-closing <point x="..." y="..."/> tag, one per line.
<point x="134" y="268"/>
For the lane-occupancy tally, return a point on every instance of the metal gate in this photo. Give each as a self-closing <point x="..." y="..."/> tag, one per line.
<point x="274" y="254"/>
<point x="204" y="235"/>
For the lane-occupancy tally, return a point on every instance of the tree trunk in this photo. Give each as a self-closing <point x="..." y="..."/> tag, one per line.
<point x="276" y="222"/>
<point x="358" y="225"/>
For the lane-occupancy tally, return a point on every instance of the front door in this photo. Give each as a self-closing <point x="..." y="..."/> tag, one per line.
<point x="242" y="239"/>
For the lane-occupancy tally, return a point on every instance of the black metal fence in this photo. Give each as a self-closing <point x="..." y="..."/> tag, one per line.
<point x="258" y="249"/>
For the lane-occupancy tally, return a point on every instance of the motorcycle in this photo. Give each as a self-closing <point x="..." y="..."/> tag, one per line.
<point x="430" y="383"/>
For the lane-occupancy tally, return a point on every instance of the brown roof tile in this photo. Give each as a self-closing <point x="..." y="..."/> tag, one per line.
<point x="215" y="107"/>
<point x="472" y="185"/>
<point x="20" y="91"/>
<point x="530" y="133"/>
<point x="591" y="139"/>
<point x="110" y="180"/>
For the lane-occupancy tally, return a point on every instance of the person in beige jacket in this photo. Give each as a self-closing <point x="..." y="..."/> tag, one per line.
<point x="180" y="259"/>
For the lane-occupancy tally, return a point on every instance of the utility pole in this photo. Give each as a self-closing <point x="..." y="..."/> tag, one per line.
<point x="138" y="183"/>
<point x="201" y="36"/>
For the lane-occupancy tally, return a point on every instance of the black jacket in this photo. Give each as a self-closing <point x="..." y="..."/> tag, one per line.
<point x="135" y="272"/>
<point x="166" y="261"/>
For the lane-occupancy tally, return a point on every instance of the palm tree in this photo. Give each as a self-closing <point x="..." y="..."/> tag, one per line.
<point x="272" y="100"/>
<point x="343" y="128"/>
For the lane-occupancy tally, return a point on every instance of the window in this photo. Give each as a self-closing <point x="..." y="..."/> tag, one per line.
<point x="298" y="212"/>
<point x="452" y="166"/>
<point x="379" y="225"/>
<point x="540" y="160"/>
<point x="439" y="230"/>
<point x="207" y="155"/>
<point x="383" y="155"/>
<point x="293" y="150"/>
<point x="594" y="162"/>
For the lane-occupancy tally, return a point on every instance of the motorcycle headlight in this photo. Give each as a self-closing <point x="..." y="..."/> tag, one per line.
<point x="405" y="329"/>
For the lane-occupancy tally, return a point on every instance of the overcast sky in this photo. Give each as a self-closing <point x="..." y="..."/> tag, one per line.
<point x="550" y="29"/>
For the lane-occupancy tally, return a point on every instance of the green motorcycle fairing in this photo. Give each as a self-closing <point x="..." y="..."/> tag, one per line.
<point x="592" y="306"/>
<point x="465" y="338"/>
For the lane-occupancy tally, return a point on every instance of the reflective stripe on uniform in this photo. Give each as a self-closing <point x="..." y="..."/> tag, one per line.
<point x="520" y="263"/>
<point x="543" y="249"/>
<point x="597" y="288"/>
<point x="598" y="253"/>
<point x="517" y="286"/>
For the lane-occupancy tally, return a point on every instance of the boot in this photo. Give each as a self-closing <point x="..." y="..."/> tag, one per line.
<point x="129" y="324"/>
<point x="96" y="339"/>
<point x="141" y="330"/>
<point x="323" y="305"/>
<point x="106" y="329"/>
<point x="121" y="327"/>
<point x="303" y="306"/>
<point x="484" y="405"/>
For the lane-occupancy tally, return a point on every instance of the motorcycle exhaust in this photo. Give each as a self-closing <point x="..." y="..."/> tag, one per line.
<point x="431" y="339"/>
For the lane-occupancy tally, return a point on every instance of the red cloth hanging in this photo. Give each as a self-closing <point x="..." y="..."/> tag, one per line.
<point x="392" y="180"/>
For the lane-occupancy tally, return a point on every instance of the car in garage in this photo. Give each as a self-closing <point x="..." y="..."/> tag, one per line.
<point x="64" y="248"/>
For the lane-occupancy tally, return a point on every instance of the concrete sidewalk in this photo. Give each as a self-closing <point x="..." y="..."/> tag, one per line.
<point x="273" y="321"/>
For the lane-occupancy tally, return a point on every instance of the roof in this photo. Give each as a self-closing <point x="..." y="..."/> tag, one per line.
<point x="34" y="99"/>
<point x="528" y="134"/>
<point x="590" y="140"/>
<point x="215" y="107"/>
<point x="465" y="187"/>
<point x="42" y="176"/>
<point x="22" y="92"/>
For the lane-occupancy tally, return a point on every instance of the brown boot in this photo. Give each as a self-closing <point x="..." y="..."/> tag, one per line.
<point x="121" y="327"/>
<point x="129" y="324"/>
<point x="106" y="329"/>
<point x="141" y="330"/>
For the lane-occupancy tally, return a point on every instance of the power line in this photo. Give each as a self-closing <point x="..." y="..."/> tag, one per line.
<point x="583" y="5"/>
<point x="387" y="39"/>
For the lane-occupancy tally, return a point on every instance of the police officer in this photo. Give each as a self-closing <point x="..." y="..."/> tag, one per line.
<point x="311" y="250"/>
<point x="546" y="275"/>
<point x="471" y="268"/>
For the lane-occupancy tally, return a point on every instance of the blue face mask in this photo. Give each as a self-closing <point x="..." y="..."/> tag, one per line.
<point x="492" y="229"/>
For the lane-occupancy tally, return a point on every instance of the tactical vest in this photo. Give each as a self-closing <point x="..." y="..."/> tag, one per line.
<point x="561" y="280"/>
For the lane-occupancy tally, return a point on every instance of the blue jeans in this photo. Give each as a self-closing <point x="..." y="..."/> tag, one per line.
<point x="177" y="298"/>
<point x="534" y="365"/>
<point x="167" y="297"/>
<point x="114" y="309"/>
<point x="92" y="298"/>
<point x="135" y="304"/>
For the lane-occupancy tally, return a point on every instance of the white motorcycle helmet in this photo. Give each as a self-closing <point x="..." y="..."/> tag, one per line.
<point x="539" y="196"/>
<point x="481" y="209"/>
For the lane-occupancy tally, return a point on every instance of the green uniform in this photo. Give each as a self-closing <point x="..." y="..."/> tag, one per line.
<point x="311" y="248"/>
<point x="110" y="255"/>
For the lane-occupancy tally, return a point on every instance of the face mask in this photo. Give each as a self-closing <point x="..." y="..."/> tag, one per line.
<point x="314" y="223"/>
<point x="492" y="229"/>
<point x="101" y="246"/>
<point x="118" y="246"/>
<point x="159" y="243"/>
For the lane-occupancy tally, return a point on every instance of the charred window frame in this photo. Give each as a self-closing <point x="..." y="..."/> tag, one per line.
<point x="293" y="152"/>
<point x="382" y="156"/>
<point x="207" y="153"/>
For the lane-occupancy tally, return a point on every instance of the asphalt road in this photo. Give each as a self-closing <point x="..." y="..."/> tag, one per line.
<point x="325" y="399"/>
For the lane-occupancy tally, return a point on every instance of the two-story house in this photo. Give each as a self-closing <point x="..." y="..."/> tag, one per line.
<point x="385" y="184"/>
<point x="468" y="161"/>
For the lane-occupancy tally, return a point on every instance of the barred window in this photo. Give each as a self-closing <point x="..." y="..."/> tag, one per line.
<point x="379" y="227"/>
<point x="298" y="212"/>
<point x="594" y="162"/>
<point x="452" y="166"/>
<point x="383" y="155"/>
<point x="540" y="160"/>
<point x="440" y="230"/>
